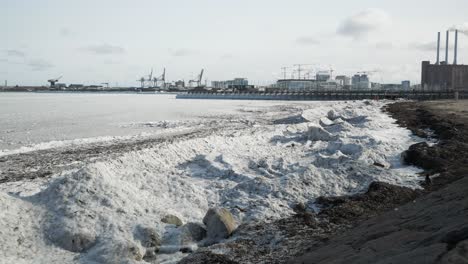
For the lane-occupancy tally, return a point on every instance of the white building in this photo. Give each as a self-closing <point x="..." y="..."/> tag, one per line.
<point x="360" y="82"/>
<point x="343" y="80"/>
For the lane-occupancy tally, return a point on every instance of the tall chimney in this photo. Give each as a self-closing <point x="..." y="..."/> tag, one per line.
<point x="456" y="48"/>
<point x="438" y="49"/>
<point x="446" y="47"/>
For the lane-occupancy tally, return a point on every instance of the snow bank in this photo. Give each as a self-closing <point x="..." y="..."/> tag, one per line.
<point x="95" y="214"/>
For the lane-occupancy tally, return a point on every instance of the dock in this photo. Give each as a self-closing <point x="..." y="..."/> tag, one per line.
<point x="324" y="95"/>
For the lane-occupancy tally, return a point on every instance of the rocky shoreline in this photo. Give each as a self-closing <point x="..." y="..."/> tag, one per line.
<point x="387" y="224"/>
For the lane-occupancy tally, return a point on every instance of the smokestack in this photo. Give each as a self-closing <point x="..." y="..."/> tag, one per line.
<point x="438" y="49"/>
<point x="456" y="48"/>
<point x="446" y="47"/>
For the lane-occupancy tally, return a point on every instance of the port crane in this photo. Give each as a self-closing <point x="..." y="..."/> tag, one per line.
<point x="161" y="78"/>
<point x="54" y="81"/>
<point x="198" y="81"/>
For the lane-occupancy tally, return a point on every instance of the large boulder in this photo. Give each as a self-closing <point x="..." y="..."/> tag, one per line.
<point x="219" y="224"/>
<point x="172" y="220"/>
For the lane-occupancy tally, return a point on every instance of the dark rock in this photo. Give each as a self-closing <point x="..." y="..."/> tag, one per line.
<point x="193" y="232"/>
<point x="206" y="257"/>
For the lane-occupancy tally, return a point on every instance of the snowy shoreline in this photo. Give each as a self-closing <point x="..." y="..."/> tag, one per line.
<point x="257" y="166"/>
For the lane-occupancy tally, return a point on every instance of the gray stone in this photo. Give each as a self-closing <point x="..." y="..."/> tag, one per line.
<point x="332" y="115"/>
<point x="172" y="219"/>
<point x="193" y="232"/>
<point x="148" y="236"/>
<point x="219" y="224"/>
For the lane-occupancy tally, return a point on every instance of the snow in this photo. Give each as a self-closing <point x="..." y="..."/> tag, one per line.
<point x="257" y="171"/>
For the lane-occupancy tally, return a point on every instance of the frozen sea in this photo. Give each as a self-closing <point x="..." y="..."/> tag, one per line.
<point x="83" y="175"/>
<point x="31" y="118"/>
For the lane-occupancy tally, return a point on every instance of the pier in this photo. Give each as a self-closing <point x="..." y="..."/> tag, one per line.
<point x="324" y="95"/>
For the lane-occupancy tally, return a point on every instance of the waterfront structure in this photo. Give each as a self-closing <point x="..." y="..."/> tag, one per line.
<point x="74" y="86"/>
<point x="236" y="83"/>
<point x="442" y="76"/>
<point x="322" y="76"/>
<point x="180" y="84"/>
<point x="405" y="85"/>
<point x="296" y="84"/>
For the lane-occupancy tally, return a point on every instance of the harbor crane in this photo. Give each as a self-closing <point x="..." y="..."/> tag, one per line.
<point x="300" y="68"/>
<point x="150" y="77"/>
<point x="54" y="81"/>
<point x="142" y="81"/>
<point x="152" y="81"/>
<point x="198" y="81"/>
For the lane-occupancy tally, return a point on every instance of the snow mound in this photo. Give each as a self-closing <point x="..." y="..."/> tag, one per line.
<point x="96" y="214"/>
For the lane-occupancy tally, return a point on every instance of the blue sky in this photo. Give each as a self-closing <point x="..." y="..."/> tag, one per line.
<point x="120" y="41"/>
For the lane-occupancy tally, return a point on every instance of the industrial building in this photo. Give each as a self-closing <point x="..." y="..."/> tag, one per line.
<point x="236" y="83"/>
<point x="296" y="84"/>
<point x="343" y="80"/>
<point x="443" y="76"/>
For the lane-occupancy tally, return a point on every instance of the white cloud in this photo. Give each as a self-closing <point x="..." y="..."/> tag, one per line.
<point x="65" y="32"/>
<point x="181" y="52"/>
<point x="384" y="45"/>
<point x="364" y="22"/>
<point x="39" y="65"/>
<point x="103" y="49"/>
<point x="307" y="40"/>
<point x="15" y="53"/>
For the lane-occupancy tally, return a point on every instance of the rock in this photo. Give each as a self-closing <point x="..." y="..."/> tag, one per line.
<point x="172" y="220"/>
<point x="77" y="241"/>
<point x="206" y="257"/>
<point x="299" y="208"/>
<point x="150" y="254"/>
<point x="219" y="224"/>
<point x="423" y="155"/>
<point x="193" y="232"/>
<point x="332" y="115"/>
<point x="148" y="236"/>
<point x="317" y="133"/>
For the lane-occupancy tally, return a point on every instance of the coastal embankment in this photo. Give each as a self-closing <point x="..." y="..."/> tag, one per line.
<point x="432" y="228"/>
<point x="386" y="224"/>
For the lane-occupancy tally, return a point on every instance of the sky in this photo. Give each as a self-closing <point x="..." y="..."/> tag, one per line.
<point x="119" y="41"/>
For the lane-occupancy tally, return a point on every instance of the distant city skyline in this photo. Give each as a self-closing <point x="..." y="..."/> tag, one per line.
<point x="93" y="42"/>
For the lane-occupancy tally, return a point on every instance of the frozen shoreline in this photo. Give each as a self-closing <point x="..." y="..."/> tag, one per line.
<point x="257" y="167"/>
